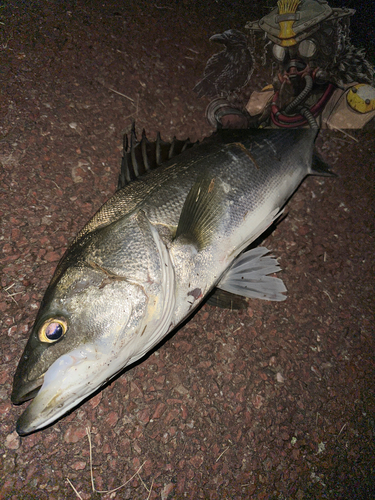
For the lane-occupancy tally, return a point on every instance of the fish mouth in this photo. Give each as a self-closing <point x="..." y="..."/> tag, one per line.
<point x="72" y="378"/>
<point x="24" y="392"/>
<point x="55" y="392"/>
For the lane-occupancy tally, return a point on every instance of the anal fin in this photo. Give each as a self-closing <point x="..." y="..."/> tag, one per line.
<point x="226" y="300"/>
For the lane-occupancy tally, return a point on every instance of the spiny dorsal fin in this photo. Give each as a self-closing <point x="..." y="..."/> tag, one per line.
<point x="142" y="156"/>
<point x="133" y="152"/>
<point x="162" y="150"/>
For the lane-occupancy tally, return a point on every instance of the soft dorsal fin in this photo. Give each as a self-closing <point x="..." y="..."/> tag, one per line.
<point x="139" y="157"/>
<point x="320" y="166"/>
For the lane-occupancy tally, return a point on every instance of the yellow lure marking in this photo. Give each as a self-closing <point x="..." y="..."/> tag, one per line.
<point x="287" y="33"/>
<point x="361" y="98"/>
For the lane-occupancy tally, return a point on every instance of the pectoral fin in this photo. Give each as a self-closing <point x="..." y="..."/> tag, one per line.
<point x="202" y="212"/>
<point x="248" y="276"/>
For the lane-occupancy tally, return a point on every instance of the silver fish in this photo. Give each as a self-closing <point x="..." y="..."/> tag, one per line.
<point x="151" y="254"/>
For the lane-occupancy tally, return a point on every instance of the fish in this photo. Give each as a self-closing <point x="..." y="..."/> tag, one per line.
<point x="168" y="238"/>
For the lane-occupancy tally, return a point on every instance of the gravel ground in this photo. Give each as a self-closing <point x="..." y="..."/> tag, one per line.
<point x="273" y="402"/>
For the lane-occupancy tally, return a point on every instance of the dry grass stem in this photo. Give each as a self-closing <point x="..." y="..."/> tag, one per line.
<point x="328" y="295"/>
<point x="152" y="484"/>
<point x="11" y="295"/>
<point x="118" y="487"/>
<point x="119" y="93"/>
<point x="162" y="7"/>
<point x="345" y="133"/>
<point x="342" y="428"/>
<point x="58" y="187"/>
<point x="221" y="454"/>
<point x="136" y="110"/>
<point x="142" y="482"/>
<point x="75" y="491"/>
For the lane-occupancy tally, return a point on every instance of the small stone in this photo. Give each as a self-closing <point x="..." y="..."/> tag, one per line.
<point x="77" y="174"/>
<point x="4" y="408"/>
<point x="168" y="488"/>
<point x="95" y="400"/>
<point x="181" y="389"/>
<point x="258" y="401"/>
<point x="272" y="361"/>
<point x="13" y="441"/>
<point x="196" y="461"/>
<point x="74" y="434"/>
<point x="159" y="410"/>
<point x="144" y="416"/>
<point x="137" y="448"/>
<point x="111" y="419"/>
<point x="52" y="256"/>
<point x="80" y="465"/>
<point x="46" y="221"/>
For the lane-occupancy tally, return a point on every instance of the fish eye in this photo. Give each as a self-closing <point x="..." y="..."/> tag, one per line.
<point x="52" y="330"/>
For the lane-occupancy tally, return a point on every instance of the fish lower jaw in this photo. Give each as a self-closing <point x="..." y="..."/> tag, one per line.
<point x="33" y="420"/>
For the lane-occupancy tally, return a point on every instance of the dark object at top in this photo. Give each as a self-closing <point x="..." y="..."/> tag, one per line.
<point x="228" y="71"/>
<point x="295" y="20"/>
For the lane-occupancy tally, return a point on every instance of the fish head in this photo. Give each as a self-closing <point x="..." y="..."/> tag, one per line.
<point x="86" y="331"/>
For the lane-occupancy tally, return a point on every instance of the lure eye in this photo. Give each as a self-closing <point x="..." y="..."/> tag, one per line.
<point x="307" y="48"/>
<point x="279" y="52"/>
<point x="52" y="330"/>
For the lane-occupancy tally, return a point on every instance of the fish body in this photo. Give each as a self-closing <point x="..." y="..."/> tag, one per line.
<point x="148" y="258"/>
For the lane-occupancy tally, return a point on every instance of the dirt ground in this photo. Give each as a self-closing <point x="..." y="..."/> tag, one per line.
<point x="273" y="402"/>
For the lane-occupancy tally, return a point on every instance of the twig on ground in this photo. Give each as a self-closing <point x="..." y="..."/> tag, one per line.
<point x="119" y="93"/>
<point x="221" y="454"/>
<point x="344" y="132"/>
<point x="11" y="295"/>
<point x="119" y="487"/>
<point x="136" y="110"/>
<point x="152" y="484"/>
<point x="328" y="295"/>
<point x="342" y="428"/>
<point x="75" y="491"/>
